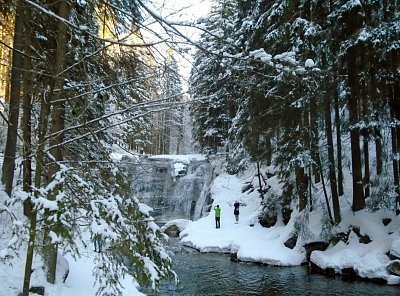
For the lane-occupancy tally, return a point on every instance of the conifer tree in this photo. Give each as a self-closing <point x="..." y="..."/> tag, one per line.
<point x="83" y="95"/>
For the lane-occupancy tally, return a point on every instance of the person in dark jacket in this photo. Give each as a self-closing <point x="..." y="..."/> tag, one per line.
<point x="236" y="211"/>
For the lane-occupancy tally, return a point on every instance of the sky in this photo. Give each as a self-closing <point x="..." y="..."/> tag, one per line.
<point x="182" y="11"/>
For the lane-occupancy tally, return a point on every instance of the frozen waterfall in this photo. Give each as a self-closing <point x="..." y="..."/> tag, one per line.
<point x="174" y="186"/>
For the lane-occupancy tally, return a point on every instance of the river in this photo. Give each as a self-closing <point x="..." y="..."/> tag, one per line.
<point x="215" y="274"/>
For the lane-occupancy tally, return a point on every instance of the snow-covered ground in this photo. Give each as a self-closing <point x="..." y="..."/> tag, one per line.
<point x="254" y="243"/>
<point x="247" y="238"/>
<point x="251" y="241"/>
<point x="80" y="279"/>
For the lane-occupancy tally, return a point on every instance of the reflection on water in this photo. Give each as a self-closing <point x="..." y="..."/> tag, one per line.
<point x="215" y="274"/>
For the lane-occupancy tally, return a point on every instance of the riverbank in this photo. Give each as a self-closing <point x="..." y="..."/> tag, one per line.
<point x="213" y="273"/>
<point x="367" y="258"/>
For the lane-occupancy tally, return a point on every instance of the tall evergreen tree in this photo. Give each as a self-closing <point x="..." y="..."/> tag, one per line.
<point x="83" y="95"/>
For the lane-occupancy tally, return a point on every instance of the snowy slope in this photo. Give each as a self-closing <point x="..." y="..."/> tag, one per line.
<point x="254" y="243"/>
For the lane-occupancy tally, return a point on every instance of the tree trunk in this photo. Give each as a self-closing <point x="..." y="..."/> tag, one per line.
<point x="331" y="157"/>
<point x="328" y="207"/>
<point x="376" y="131"/>
<point x="365" y="134"/>
<point x="268" y="149"/>
<point x="314" y="139"/>
<point x="29" y="253"/>
<point x="57" y="127"/>
<point x="354" y="98"/>
<point x="395" y="161"/>
<point x="38" y="180"/>
<point x="26" y="120"/>
<point x="259" y="181"/>
<point x="13" y="112"/>
<point x="44" y="113"/>
<point x="302" y="187"/>
<point x="335" y="95"/>
<point x="378" y="152"/>
<point x="397" y="138"/>
<point x="366" y="168"/>
<point x="338" y="136"/>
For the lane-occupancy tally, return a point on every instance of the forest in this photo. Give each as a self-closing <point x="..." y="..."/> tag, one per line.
<point x="76" y="78"/>
<point x="311" y="87"/>
<point x="288" y="82"/>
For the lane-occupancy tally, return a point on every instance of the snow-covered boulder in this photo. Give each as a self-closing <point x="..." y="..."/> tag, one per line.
<point x="175" y="227"/>
<point x="395" y="249"/>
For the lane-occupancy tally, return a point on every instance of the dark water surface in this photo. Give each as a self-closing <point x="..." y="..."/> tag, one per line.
<point x="215" y="274"/>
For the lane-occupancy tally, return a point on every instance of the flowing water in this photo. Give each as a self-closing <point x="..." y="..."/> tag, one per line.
<point x="215" y="274"/>
<point x="186" y="196"/>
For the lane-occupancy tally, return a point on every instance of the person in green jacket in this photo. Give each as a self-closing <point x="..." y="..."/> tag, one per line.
<point x="217" y="211"/>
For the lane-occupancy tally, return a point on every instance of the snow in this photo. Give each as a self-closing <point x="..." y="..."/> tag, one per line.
<point x="368" y="260"/>
<point x="261" y="54"/>
<point x="183" y="158"/>
<point x="249" y="239"/>
<point x="254" y="243"/>
<point x="395" y="249"/>
<point x="118" y="153"/>
<point x="289" y="57"/>
<point x="309" y="63"/>
<point x="180" y="223"/>
<point x="145" y="209"/>
<point x="80" y="279"/>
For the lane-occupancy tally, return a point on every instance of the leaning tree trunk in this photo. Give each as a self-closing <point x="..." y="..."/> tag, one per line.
<point x="331" y="157"/>
<point x="259" y="181"/>
<point x="328" y="207"/>
<point x="13" y="113"/>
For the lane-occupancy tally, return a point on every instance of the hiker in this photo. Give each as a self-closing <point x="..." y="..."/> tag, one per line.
<point x="236" y="211"/>
<point x="96" y="238"/>
<point x="217" y="211"/>
<point x="97" y="243"/>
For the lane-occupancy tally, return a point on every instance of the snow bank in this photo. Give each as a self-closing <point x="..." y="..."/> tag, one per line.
<point x="80" y="280"/>
<point x="368" y="260"/>
<point x="254" y="243"/>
